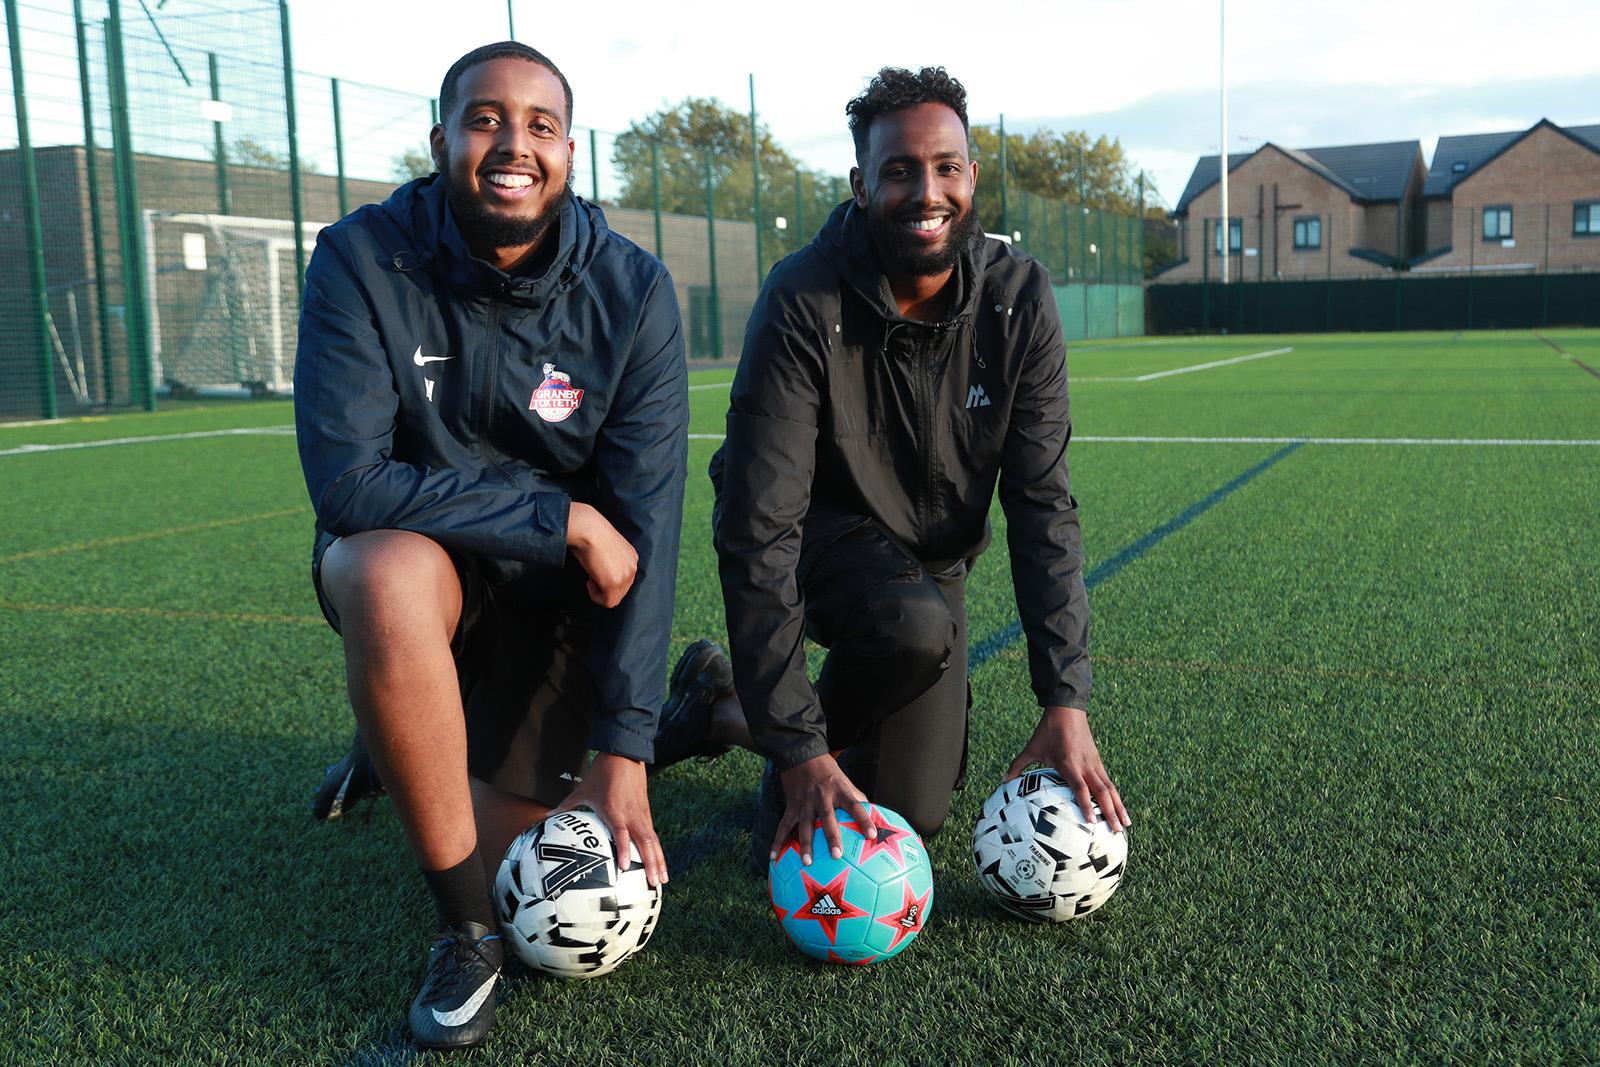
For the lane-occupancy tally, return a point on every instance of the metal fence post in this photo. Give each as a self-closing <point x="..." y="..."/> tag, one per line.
<point x="30" y="208"/>
<point x="338" y="149"/>
<point x="141" y="370"/>
<point x="91" y="170"/>
<point x="800" y="209"/>
<point x="218" y="147"/>
<point x="655" y="192"/>
<point x="711" y="248"/>
<point x="296" y="207"/>
<point x="1472" y="258"/>
<point x="755" y="175"/>
<point x="594" y="165"/>
<point x="1544" y="310"/>
<point x="1327" y="326"/>
<point x="1005" y="218"/>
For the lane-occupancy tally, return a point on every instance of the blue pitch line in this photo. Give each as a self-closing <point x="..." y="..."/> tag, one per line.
<point x="986" y="649"/>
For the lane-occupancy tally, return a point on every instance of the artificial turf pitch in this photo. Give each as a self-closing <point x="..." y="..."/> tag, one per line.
<point x="1346" y="665"/>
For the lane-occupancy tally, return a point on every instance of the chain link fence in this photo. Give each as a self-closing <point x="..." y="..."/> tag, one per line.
<point x="164" y="171"/>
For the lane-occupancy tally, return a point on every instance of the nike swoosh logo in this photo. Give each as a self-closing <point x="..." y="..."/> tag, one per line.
<point x="422" y="361"/>
<point x="467" y="1010"/>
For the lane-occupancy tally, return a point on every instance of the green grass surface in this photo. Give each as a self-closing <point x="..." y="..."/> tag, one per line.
<point x="1351" y="707"/>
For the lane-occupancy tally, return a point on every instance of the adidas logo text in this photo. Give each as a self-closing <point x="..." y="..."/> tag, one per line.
<point x="977" y="398"/>
<point x="826" y="906"/>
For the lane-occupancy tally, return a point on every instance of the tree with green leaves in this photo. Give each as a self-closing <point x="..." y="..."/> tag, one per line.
<point x="683" y="135"/>
<point x="412" y="163"/>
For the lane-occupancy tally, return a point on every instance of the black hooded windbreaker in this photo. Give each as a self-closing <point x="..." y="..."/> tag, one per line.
<point x="840" y="402"/>
<point x="434" y="393"/>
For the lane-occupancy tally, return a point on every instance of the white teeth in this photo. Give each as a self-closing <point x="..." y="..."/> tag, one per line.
<point x="926" y="224"/>
<point x="510" y="181"/>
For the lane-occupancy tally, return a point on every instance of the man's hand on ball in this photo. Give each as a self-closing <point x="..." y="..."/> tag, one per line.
<point x="814" y="789"/>
<point x="1063" y="741"/>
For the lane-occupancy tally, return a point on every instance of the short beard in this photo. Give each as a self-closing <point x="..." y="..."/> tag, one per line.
<point x="897" y="250"/>
<point x="495" y="230"/>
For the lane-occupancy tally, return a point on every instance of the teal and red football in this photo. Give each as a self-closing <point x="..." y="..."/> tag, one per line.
<point x="862" y="908"/>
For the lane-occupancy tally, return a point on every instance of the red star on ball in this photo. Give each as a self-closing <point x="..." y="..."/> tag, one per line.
<point x="909" y="919"/>
<point x="825" y="904"/>
<point x="889" y="838"/>
<point x="834" y="957"/>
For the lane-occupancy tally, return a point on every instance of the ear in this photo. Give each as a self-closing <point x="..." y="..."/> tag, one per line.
<point x="858" y="188"/>
<point x="972" y="175"/>
<point x="436" y="146"/>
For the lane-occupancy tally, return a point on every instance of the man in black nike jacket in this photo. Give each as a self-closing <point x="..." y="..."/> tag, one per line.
<point x="492" y="415"/>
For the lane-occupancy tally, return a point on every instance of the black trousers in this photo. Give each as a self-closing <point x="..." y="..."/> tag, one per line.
<point x="893" y="687"/>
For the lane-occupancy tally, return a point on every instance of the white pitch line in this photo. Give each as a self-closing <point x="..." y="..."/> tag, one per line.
<point x="265" y="430"/>
<point x="1342" y="441"/>
<point x="1186" y="370"/>
<point x="711" y="385"/>
<point x="1293" y="440"/>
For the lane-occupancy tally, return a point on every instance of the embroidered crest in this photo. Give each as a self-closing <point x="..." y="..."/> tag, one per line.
<point x="555" y="398"/>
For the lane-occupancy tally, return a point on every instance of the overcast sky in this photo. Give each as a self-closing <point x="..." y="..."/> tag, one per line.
<point x="1299" y="73"/>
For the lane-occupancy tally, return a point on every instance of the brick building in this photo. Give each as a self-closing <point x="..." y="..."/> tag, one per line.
<point x="1348" y="211"/>
<point x="1525" y="201"/>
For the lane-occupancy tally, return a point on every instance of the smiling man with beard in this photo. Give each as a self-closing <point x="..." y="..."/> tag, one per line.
<point x="491" y="407"/>
<point x="896" y="373"/>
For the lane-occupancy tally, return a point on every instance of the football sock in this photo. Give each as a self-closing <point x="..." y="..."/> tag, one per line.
<point x="461" y="893"/>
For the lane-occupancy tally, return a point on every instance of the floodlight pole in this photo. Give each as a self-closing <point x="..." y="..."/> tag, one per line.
<point x="511" y="23"/>
<point x="1222" y="75"/>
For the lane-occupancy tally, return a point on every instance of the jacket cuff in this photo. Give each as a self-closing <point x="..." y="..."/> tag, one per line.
<point x="622" y="741"/>
<point x="797" y="753"/>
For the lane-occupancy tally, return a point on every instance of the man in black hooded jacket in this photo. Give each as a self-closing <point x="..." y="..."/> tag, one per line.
<point x="895" y="373"/>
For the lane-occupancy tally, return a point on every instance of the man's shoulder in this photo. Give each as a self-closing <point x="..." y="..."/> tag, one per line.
<point x="1014" y="271"/>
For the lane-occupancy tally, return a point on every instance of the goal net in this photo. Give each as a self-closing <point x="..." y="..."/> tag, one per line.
<point x="225" y="301"/>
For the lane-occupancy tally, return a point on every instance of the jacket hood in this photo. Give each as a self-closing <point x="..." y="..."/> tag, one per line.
<point x="845" y="243"/>
<point x="430" y="239"/>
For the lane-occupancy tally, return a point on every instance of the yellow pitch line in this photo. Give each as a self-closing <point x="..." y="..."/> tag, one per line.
<point x="161" y="613"/>
<point x="152" y="534"/>
<point x="1323" y="672"/>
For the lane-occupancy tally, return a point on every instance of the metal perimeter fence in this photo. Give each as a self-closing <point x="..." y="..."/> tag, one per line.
<point x="170" y="170"/>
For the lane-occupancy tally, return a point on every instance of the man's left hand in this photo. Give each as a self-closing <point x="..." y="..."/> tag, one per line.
<point x="1062" y="740"/>
<point x="615" y="789"/>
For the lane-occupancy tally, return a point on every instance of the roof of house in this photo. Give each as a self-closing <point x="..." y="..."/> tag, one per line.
<point x="1457" y="158"/>
<point x="1369" y="172"/>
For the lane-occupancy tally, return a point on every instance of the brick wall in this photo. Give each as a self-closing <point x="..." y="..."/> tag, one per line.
<point x="1268" y="192"/>
<point x="1538" y="177"/>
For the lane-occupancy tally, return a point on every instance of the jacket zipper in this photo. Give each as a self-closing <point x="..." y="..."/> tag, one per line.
<point x="490" y="368"/>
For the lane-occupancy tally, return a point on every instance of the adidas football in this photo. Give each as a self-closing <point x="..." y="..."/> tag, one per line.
<point x="564" y="907"/>
<point x="868" y="905"/>
<point x="1037" y="854"/>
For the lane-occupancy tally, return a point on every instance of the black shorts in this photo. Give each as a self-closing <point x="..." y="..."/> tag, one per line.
<point x="524" y="679"/>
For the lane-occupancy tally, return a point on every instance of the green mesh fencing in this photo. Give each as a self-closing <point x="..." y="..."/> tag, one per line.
<point x="162" y="182"/>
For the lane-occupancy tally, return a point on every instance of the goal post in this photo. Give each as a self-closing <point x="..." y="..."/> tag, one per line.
<point x="225" y="304"/>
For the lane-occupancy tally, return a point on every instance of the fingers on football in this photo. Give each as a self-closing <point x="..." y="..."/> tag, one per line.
<point x="830" y="831"/>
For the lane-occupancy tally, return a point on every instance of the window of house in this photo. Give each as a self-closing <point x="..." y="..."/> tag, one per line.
<point x="1496" y="223"/>
<point x="1586" y="217"/>
<point x="1307" y="231"/>
<point x="1235" y="236"/>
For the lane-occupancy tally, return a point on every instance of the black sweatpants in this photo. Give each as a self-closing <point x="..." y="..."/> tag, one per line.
<point x="893" y="687"/>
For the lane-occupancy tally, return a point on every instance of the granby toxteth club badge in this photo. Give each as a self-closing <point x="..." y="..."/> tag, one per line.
<point x="555" y="398"/>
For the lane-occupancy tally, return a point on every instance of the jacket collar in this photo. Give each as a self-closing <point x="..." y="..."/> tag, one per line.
<point x="421" y="209"/>
<point x="846" y="245"/>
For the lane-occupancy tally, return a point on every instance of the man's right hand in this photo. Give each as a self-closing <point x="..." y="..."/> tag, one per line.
<point x="604" y="554"/>
<point x="814" y="789"/>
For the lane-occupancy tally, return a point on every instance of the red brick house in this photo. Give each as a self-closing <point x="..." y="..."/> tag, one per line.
<point x="1513" y="202"/>
<point x="1348" y="211"/>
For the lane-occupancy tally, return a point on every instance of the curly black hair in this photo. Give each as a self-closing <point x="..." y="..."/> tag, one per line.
<point x="498" y="50"/>
<point x="896" y="89"/>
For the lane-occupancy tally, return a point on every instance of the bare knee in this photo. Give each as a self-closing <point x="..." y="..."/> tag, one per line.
<point x="389" y="580"/>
